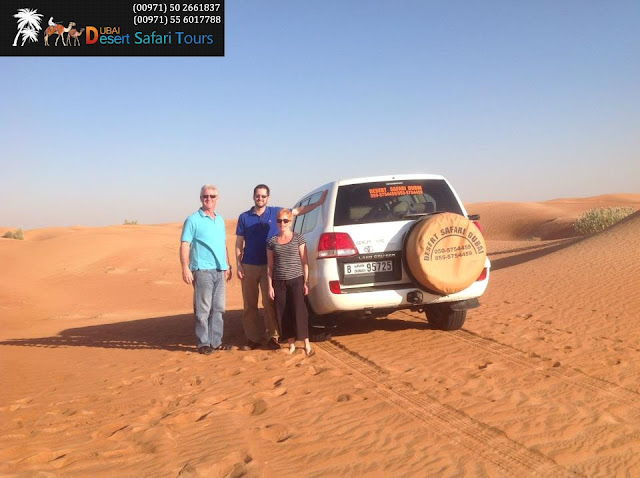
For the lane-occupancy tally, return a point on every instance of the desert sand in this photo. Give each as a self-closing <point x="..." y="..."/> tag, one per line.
<point x="100" y="376"/>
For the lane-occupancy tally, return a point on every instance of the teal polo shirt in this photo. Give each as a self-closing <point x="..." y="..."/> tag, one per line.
<point x="207" y="237"/>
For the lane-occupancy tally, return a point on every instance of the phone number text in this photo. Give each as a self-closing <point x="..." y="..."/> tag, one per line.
<point x="175" y="19"/>
<point x="175" y="7"/>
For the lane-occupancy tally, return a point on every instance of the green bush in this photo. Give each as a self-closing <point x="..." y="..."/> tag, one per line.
<point x="130" y="223"/>
<point x="596" y="220"/>
<point x="14" y="235"/>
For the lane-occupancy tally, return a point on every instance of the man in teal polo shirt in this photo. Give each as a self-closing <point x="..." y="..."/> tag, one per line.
<point x="205" y="265"/>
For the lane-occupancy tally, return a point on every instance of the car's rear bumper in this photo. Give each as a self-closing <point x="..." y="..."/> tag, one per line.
<point x="396" y="296"/>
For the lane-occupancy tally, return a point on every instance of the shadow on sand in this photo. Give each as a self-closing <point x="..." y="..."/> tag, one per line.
<point x="363" y="326"/>
<point x="529" y="253"/>
<point x="174" y="333"/>
<point x="353" y="325"/>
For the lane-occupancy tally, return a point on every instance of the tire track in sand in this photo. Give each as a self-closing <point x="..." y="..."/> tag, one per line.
<point x="488" y="442"/>
<point x="568" y="375"/>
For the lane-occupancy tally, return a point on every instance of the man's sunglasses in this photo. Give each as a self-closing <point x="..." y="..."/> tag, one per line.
<point x="209" y="196"/>
<point x="261" y="196"/>
<point x="286" y="221"/>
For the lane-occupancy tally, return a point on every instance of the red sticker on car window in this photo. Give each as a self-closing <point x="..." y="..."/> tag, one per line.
<point x="397" y="190"/>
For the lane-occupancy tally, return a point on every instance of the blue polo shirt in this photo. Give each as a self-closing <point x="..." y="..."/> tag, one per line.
<point x="208" y="241"/>
<point x="256" y="230"/>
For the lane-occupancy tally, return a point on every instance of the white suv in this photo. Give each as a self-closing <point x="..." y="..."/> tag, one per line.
<point x="384" y="243"/>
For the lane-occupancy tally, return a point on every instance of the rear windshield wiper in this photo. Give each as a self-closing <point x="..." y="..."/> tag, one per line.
<point x="420" y="214"/>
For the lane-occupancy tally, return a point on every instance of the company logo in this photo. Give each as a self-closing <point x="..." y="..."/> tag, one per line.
<point x="28" y="25"/>
<point x="111" y="28"/>
<point x="74" y="36"/>
<point x="59" y="29"/>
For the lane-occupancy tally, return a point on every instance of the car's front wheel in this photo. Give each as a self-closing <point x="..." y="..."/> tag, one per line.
<point x="443" y="317"/>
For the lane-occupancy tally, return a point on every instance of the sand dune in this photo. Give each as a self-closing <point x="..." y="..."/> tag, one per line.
<point x="100" y="376"/>
<point x="542" y="220"/>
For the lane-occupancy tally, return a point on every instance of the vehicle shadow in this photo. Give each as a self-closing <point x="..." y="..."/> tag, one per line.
<point x="352" y="325"/>
<point x="174" y="333"/>
<point x="532" y="253"/>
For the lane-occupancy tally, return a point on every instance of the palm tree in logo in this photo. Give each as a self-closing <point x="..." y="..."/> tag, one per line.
<point x="30" y="34"/>
<point x="27" y="20"/>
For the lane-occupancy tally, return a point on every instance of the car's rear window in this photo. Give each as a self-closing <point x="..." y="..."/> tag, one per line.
<point x="392" y="201"/>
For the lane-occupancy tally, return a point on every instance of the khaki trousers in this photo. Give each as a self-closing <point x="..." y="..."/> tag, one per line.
<point x="256" y="328"/>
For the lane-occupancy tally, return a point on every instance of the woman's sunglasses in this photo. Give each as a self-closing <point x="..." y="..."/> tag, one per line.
<point x="286" y="221"/>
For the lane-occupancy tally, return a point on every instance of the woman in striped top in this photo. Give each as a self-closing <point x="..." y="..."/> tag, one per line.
<point x="288" y="281"/>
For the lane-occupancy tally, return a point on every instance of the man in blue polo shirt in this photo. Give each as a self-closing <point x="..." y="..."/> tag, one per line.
<point x="205" y="265"/>
<point x="255" y="227"/>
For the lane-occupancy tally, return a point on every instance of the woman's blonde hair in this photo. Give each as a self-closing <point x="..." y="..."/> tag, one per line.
<point x="284" y="212"/>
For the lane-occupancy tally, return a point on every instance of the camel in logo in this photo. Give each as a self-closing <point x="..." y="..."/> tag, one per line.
<point x="75" y="35"/>
<point x="57" y="30"/>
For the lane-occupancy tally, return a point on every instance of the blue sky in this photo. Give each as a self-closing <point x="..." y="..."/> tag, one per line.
<point x="512" y="101"/>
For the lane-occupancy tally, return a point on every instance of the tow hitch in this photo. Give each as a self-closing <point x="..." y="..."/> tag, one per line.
<point x="414" y="297"/>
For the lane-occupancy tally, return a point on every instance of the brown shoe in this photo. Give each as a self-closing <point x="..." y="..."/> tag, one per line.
<point x="251" y="345"/>
<point x="273" y="344"/>
<point x="205" y="350"/>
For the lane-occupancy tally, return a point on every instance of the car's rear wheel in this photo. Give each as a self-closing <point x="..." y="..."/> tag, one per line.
<point x="320" y="326"/>
<point x="443" y="317"/>
<point x="319" y="334"/>
<point x="319" y="331"/>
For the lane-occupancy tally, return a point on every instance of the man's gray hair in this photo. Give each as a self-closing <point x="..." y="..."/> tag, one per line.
<point x="207" y="186"/>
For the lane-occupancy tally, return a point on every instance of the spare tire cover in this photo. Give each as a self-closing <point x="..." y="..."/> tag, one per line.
<point x="444" y="253"/>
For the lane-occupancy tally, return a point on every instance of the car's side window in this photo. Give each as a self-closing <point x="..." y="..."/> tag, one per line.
<point x="311" y="218"/>
<point x="298" y="220"/>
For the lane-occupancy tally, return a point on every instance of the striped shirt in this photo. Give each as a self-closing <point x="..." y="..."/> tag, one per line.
<point x="286" y="257"/>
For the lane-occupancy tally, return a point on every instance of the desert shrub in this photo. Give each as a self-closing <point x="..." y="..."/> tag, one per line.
<point x="596" y="220"/>
<point x="17" y="234"/>
<point x="130" y="223"/>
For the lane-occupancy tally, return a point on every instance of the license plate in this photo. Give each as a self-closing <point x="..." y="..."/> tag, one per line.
<point x="367" y="267"/>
